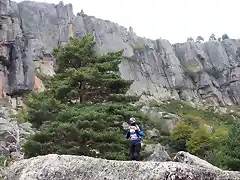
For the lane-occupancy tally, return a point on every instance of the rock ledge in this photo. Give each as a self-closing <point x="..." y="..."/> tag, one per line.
<point x="67" y="167"/>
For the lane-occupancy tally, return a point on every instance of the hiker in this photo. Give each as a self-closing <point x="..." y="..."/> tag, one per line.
<point x="135" y="134"/>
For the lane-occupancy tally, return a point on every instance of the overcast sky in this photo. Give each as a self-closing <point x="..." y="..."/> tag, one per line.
<point x="174" y="20"/>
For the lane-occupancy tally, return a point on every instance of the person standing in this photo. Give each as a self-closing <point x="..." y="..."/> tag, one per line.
<point x="135" y="133"/>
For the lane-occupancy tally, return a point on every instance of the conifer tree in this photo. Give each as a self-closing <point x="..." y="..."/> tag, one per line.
<point x="231" y="147"/>
<point x="84" y="106"/>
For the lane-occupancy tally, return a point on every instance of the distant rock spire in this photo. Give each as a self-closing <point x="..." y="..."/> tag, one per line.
<point x="70" y="29"/>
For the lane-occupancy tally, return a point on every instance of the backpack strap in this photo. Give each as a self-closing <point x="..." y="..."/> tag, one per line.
<point x="137" y="132"/>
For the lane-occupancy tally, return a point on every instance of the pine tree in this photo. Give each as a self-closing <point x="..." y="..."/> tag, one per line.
<point x="231" y="147"/>
<point x="84" y="106"/>
<point x="85" y="76"/>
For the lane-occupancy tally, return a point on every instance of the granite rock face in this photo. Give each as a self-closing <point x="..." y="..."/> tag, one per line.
<point x="12" y="133"/>
<point x="206" y="73"/>
<point x="187" y="158"/>
<point x="66" y="167"/>
<point x="159" y="153"/>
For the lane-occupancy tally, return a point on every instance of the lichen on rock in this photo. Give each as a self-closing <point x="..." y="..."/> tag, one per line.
<point x="66" y="167"/>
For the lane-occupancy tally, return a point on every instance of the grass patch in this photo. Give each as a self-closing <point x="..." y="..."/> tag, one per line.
<point x="184" y="110"/>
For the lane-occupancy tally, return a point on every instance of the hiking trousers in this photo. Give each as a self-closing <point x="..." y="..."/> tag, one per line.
<point x="135" y="147"/>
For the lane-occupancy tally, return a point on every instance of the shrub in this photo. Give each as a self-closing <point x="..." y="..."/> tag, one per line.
<point x="180" y="135"/>
<point x="231" y="147"/>
<point x="199" y="142"/>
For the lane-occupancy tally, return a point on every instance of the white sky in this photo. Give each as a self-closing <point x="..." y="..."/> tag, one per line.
<point x="174" y="20"/>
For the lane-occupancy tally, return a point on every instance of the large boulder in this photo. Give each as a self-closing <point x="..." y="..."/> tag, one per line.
<point x="68" y="167"/>
<point x="159" y="153"/>
<point x="187" y="158"/>
<point x="164" y="121"/>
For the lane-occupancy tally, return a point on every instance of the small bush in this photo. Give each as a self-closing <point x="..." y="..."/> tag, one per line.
<point x="180" y="135"/>
<point x="199" y="142"/>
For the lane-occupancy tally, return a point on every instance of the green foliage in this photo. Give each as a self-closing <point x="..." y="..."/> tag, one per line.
<point x="192" y="135"/>
<point x="192" y="120"/>
<point x="215" y="154"/>
<point x="199" y="142"/>
<point x="43" y="107"/>
<point x="86" y="77"/>
<point x="21" y="115"/>
<point x="84" y="106"/>
<point x="208" y="116"/>
<point x="231" y="148"/>
<point x="180" y="135"/>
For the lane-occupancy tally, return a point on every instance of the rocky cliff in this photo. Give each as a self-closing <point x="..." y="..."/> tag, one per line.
<point x="12" y="133"/>
<point x="66" y="167"/>
<point x="205" y="73"/>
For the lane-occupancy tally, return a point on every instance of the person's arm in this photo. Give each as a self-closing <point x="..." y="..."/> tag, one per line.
<point x="140" y="131"/>
<point x="127" y="135"/>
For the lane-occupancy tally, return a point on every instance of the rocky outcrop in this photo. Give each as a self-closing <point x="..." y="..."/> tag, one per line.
<point x="206" y="73"/>
<point x="19" y="49"/>
<point x="159" y="153"/>
<point x="66" y="167"/>
<point x="187" y="158"/>
<point x="166" y="121"/>
<point x="12" y="133"/>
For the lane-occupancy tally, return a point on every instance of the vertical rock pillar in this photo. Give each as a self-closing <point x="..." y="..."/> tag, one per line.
<point x="70" y="29"/>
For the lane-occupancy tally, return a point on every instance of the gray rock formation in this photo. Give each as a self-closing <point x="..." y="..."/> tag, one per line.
<point x="164" y="121"/>
<point x="206" y="73"/>
<point x="12" y="133"/>
<point x="159" y="153"/>
<point x="187" y="158"/>
<point x="66" y="167"/>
